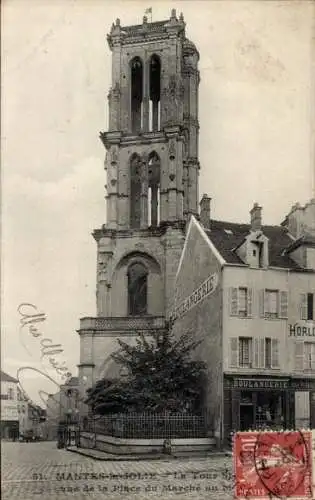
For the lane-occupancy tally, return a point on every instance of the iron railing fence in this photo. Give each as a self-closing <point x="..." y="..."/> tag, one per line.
<point x="151" y="425"/>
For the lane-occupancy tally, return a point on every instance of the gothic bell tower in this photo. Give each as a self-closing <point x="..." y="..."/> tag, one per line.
<point x="152" y="183"/>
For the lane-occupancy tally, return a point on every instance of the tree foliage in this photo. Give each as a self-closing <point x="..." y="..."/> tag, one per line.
<point x="162" y="376"/>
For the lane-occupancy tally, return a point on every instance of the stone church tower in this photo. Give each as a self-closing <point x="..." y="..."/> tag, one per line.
<point x="152" y="185"/>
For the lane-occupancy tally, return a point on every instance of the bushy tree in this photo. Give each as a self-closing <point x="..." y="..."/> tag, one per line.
<point x="106" y="396"/>
<point x="161" y="376"/>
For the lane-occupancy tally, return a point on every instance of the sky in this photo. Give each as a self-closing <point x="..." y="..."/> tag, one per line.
<point x="256" y="107"/>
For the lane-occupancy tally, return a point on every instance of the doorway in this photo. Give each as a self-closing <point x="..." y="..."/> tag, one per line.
<point x="270" y="410"/>
<point x="246" y="416"/>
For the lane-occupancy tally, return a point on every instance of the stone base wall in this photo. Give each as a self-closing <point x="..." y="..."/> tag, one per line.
<point x="120" y="446"/>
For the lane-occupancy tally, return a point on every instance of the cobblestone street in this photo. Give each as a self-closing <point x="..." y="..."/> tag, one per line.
<point x="40" y="469"/>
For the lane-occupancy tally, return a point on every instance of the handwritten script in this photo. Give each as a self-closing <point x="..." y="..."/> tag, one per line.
<point x="31" y="320"/>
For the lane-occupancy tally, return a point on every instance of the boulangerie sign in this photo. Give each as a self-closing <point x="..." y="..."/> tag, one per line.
<point x="240" y="383"/>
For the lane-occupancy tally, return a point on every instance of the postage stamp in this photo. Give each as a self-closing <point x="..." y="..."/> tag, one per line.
<point x="273" y="465"/>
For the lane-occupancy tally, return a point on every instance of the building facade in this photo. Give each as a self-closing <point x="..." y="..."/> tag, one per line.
<point x="52" y="416"/>
<point x="9" y="407"/>
<point x="32" y="418"/>
<point x="247" y="291"/>
<point x="152" y="171"/>
<point x="64" y="406"/>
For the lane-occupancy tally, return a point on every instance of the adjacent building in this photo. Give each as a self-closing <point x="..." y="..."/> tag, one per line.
<point x="69" y="400"/>
<point x="9" y="407"/>
<point x="32" y="417"/>
<point x="52" y="416"/>
<point x="64" y="406"/>
<point x="247" y="292"/>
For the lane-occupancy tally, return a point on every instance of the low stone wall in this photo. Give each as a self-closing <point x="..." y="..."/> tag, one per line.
<point x="121" y="446"/>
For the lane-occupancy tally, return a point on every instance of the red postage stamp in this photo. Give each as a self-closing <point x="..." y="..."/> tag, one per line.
<point x="273" y="464"/>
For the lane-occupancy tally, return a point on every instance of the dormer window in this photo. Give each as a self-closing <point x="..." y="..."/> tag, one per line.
<point x="258" y="253"/>
<point x="254" y="250"/>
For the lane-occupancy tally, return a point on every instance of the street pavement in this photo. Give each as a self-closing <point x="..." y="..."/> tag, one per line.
<point x="40" y="470"/>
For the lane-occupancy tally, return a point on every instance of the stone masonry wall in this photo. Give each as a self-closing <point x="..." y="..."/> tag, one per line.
<point x="204" y="320"/>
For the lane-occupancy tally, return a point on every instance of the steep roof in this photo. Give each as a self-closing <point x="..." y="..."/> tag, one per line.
<point x="226" y="236"/>
<point x="7" y="378"/>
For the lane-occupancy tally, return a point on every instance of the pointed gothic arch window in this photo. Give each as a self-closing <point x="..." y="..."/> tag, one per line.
<point x="137" y="289"/>
<point x="136" y="94"/>
<point x="154" y="173"/>
<point x="135" y="191"/>
<point x="155" y="93"/>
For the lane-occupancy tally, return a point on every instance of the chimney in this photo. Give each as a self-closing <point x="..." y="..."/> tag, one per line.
<point x="255" y="217"/>
<point x="205" y="211"/>
<point x="300" y="220"/>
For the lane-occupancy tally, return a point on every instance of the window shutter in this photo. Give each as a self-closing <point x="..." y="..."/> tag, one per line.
<point x="249" y="301"/>
<point x="303" y="305"/>
<point x="299" y="356"/>
<point x="262" y="303"/>
<point x="256" y="353"/>
<point x="250" y="351"/>
<point x="283" y="311"/>
<point x="233" y="301"/>
<point x="234" y="352"/>
<point x="274" y="353"/>
<point x="262" y="353"/>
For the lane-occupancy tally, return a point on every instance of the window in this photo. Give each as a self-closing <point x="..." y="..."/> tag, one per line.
<point x="245" y="352"/>
<point x="268" y="354"/>
<point x="154" y="170"/>
<point x="309" y="355"/>
<point x="4" y="396"/>
<point x="258" y="352"/>
<point x="274" y="304"/>
<point x="304" y="356"/>
<point x="137" y="289"/>
<point x="258" y="253"/>
<point x="155" y="91"/>
<point x="310" y="258"/>
<point x="241" y="302"/>
<point x="310" y="306"/>
<point x="135" y="191"/>
<point x="271" y="304"/>
<point x="307" y="306"/>
<point x="10" y="393"/>
<point x="136" y="95"/>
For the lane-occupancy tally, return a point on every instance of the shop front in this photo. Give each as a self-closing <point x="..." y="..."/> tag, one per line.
<point x="265" y="402"/>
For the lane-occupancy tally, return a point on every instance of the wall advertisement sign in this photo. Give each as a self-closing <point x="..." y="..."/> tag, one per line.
<point x="270" y="383"/>
<point x="205" y="289"/>
<point x="302" y="329"/>
<point x="239" y="383"/>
